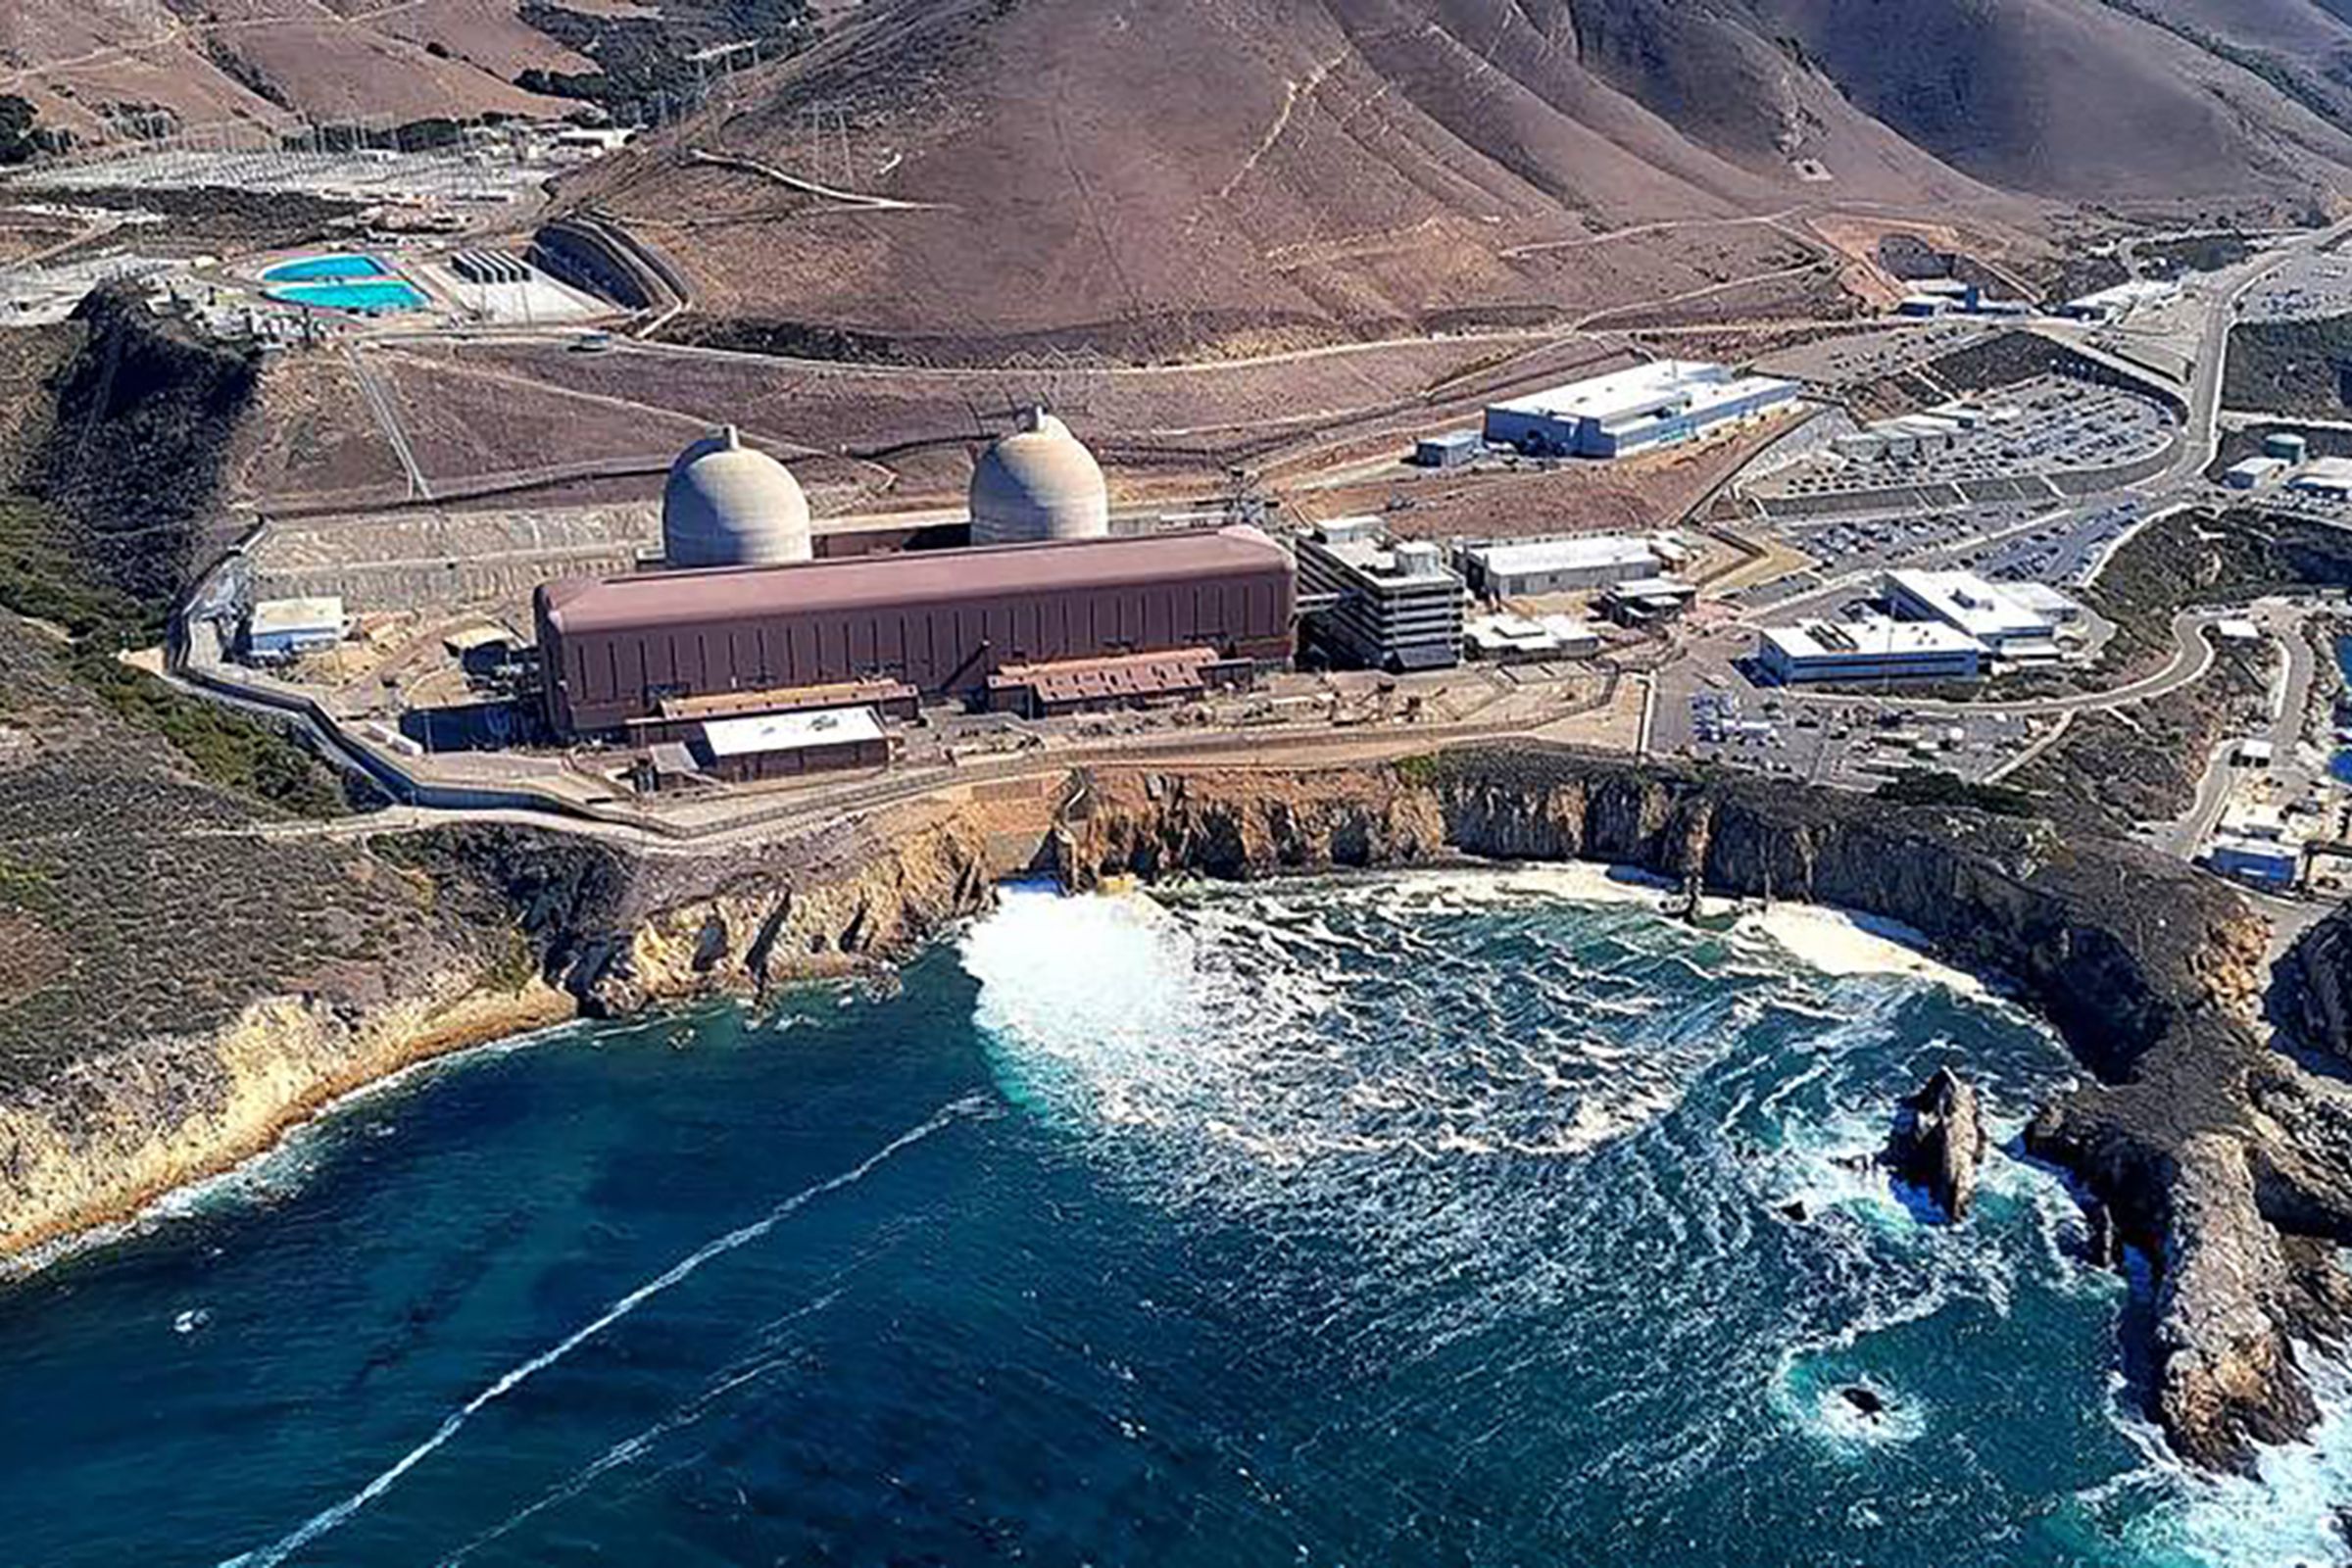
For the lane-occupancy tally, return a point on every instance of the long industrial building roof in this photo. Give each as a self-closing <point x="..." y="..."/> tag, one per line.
<point x="1875" y="636"/>
<point x="1624" y="394"/>
<point x="1516" y="558"/>
<point x="866" y="582"/>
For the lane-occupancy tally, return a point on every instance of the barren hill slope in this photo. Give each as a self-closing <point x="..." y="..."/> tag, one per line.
<point x="85" y="63"/>
<point x="1157" y="178"/>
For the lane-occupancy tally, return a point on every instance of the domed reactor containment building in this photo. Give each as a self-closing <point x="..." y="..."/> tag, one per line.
<point x="728" y="505"/>
<point x="1036" y="484"/>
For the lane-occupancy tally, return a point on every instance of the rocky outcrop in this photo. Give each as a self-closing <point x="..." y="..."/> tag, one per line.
<point x="1938" y="1141"/>
<point x="2211" y="1154"/>
<point x="559" y="927"/>
<point x="2313" y="991"/>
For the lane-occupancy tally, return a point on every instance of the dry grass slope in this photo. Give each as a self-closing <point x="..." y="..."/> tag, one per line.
<point x="1166" y="181"/>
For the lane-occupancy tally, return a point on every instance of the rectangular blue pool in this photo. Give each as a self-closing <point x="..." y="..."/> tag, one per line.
<point x="325" y="269"/>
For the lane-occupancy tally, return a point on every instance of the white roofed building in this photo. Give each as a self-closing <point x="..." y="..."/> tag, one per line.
<point x="1513" y="639"/>
<point x="1380" y="605"/>
<point x="1628" y="411"/>
<point x="1992" y="614"/>
<point x="770" y="745"/>
<point x="1868" y="652"/>
<point x="2110" y="304"/>
<point x="279" y="629"/>
<point x="1522" y="568"/>
<point x="2327" y="477"/>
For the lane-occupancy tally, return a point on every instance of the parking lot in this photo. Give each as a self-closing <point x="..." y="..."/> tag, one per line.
<point x="1858" y="745"/>
<point x="2010" y="543"/>
<point x="2065" y="554"/>
<point x="2046" y="426"/>
<point x="2305" y="289"/>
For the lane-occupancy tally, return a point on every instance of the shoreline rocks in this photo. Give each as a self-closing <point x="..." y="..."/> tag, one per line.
<point x="2208" y="1151"/>
<point x="1938" y="1142"/>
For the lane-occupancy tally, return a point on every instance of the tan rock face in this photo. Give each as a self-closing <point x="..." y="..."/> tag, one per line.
<point x="609" y="934"/>
<point x="92" y="1145"/>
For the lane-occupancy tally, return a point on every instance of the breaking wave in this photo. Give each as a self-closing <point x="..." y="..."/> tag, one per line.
<point x="1539" y="1115"/>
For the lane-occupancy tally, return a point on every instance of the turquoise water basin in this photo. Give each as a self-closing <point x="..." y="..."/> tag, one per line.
<point x="374" y="295"/>
<point x="326" y="270"/>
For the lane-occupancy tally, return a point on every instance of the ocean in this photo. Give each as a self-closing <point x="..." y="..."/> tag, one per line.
<point x="1462" y="1218"/>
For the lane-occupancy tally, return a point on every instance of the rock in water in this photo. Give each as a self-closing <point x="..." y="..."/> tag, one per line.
<point x="1866" y="1400"/>
<point x="1940" y="1141"/>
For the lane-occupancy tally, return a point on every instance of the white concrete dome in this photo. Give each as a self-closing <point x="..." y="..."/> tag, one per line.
<point x="1039" y="483"/>
<point x="728" y="505"/>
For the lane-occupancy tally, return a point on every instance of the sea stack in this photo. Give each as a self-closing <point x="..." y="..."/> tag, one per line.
<point x="1940" y="1141"/>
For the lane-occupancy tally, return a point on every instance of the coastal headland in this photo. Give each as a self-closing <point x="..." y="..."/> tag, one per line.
<point x="2224" y="1162"/>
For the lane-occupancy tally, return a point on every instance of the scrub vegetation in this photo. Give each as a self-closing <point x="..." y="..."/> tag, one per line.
<point x="114" y="481"/>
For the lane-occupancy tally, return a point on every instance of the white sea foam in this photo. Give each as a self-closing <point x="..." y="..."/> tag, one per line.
<point x="2289" y="1512"/>
<point x="1820" y="1408"/>
<point x="332" y="1518"/>
<point x="1841" y="942"/>
<point x="1241" y="1025"/>
<point x="1261" y="1052"/>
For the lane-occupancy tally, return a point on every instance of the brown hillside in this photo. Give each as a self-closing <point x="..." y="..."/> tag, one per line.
<point x="83" y="63"/>
<point x="1162" y="179"/>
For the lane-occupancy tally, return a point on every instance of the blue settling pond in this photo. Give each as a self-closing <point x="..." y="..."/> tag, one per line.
<point x="326" y="270"/>
<point x="374" y="296"/>
<point x="347" y="282"/>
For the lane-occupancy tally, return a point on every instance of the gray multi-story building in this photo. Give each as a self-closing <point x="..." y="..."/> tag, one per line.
<point x="1383" y="606"/>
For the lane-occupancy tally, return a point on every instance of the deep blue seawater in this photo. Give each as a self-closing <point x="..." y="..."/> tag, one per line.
<point x="1428" y="1220"/>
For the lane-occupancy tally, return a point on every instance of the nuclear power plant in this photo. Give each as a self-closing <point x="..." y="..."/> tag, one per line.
<point x="737" y="638"/>
<point x="741" y="620"/>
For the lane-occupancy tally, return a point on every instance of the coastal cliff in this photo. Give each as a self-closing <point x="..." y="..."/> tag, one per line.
<point x="2225" y="1164"/>
<point x="515" y="929"/>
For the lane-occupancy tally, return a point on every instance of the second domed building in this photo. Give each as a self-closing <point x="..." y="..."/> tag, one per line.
<point x="1036" y="484"/>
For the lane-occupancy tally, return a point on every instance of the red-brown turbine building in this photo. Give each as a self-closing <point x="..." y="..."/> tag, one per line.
<point x="942" y="621"/>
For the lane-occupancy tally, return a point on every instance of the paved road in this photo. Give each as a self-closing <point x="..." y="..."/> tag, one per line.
<point x="2186" y="835"/>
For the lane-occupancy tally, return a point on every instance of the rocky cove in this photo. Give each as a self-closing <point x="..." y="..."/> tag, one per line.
<point x="2222" y="1161"/>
